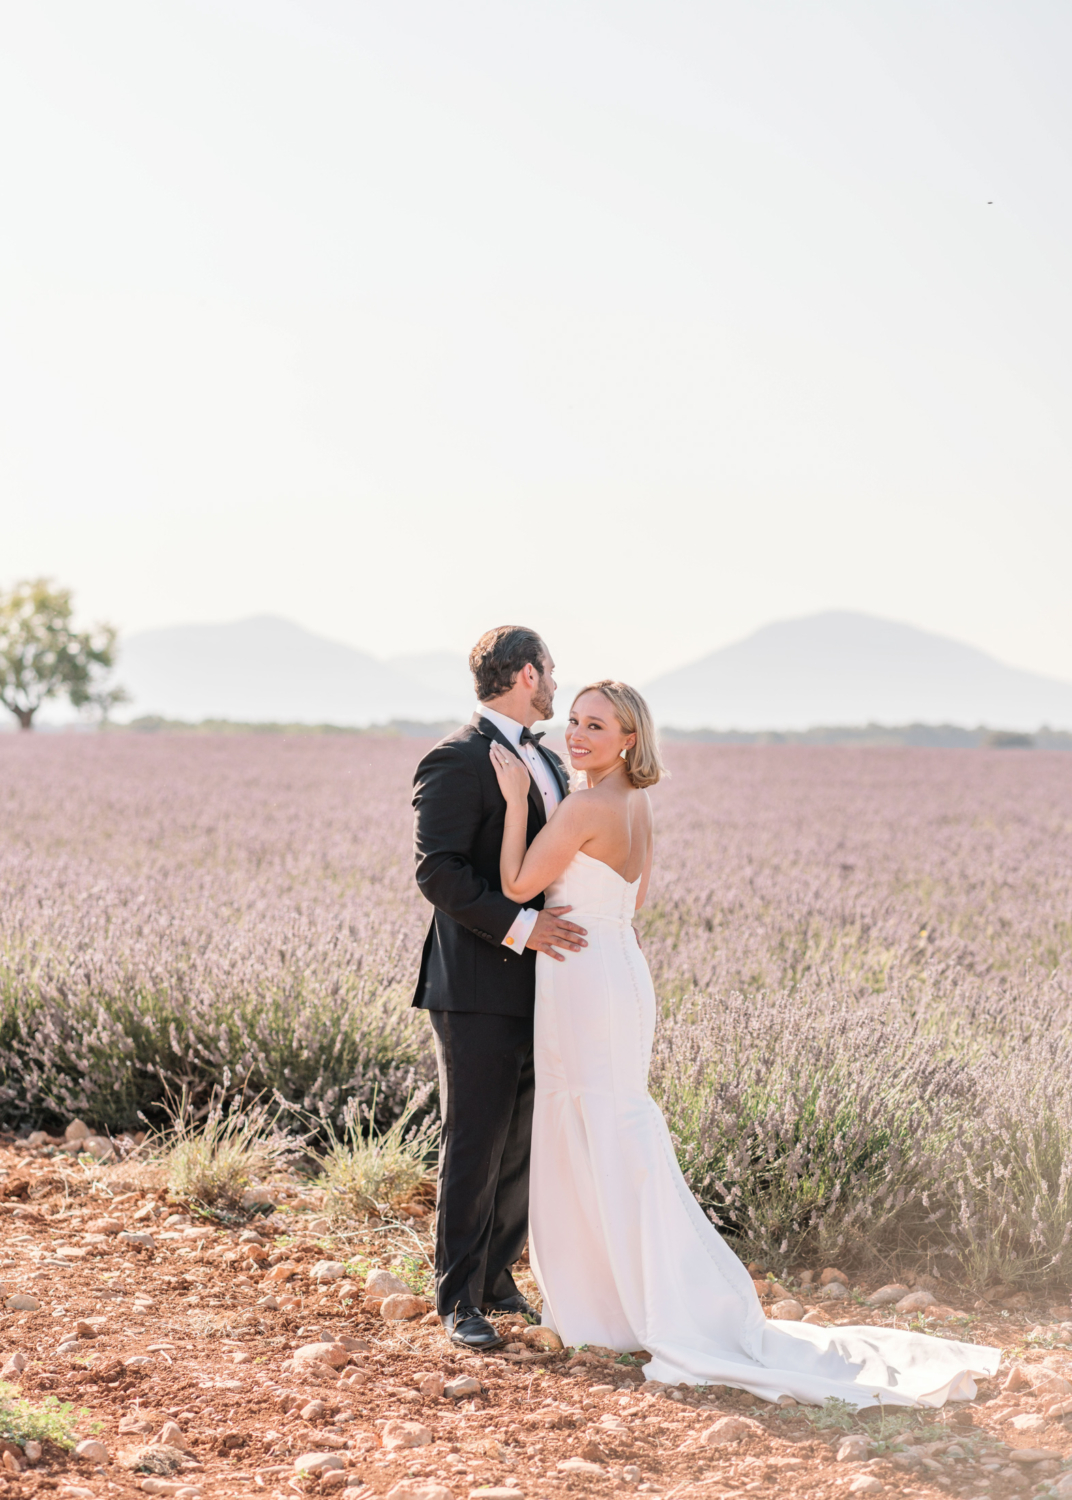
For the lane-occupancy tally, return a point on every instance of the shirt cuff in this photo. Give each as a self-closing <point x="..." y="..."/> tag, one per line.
<point x="521" y="930"/>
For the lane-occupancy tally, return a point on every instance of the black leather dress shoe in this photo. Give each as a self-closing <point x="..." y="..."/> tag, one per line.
<point x="514" y="1304"/>
<point x="469" y="1328"/>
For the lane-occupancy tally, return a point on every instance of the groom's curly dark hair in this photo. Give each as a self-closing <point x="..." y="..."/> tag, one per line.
<point x="499" y="655"/>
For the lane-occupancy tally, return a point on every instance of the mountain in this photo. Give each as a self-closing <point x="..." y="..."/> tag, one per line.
<point x="845" y="668"/>
<point x="266" y="669"/>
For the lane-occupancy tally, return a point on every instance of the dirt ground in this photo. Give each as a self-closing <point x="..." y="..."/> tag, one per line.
<point x="171" y="1329"/>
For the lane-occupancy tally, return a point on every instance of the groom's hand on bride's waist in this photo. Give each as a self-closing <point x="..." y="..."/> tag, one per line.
<point x="551" y="931"/>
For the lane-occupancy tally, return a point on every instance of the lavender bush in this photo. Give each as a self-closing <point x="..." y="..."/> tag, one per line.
<point x="177" y="913"/>
<point x="864" y="959"/>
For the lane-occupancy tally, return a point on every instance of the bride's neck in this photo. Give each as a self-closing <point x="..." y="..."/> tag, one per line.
<point x="595" y="777"/>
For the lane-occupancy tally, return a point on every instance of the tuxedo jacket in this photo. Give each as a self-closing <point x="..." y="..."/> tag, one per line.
<point x="458" y="827"/>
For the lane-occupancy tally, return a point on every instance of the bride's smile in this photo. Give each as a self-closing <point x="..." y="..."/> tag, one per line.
<point x="595" y="741"/>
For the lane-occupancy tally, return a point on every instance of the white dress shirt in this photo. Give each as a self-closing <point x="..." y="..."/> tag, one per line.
<point x="547" y="787"/>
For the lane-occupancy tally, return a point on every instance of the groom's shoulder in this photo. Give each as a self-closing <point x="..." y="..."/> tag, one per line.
<point x="457" y="749"/>
<point x="461" y="741"/>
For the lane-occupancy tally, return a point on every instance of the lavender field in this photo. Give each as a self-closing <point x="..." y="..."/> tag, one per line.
<point x="864" y="959"/>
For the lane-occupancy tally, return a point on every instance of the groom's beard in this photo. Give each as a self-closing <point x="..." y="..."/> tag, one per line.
<point x="543" y="701"/>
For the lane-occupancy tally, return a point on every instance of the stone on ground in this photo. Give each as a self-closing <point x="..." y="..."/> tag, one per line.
<point x="465" y="1385"/>
<point x="398" y="1434"/>
<point x="92" y="1451"/>
<point x="578" y="1466"/>
<point x="866" y="1484"/>
<point x="172" y="1436"/>
<point x="916" y="1302"/>
<point x="328" y="1270"/>
<point x="789" y="1309"/>
<point x="134" y="1424"/>
<point x="140" y="1241"/>
<point x="1052" y="1385"/>
<point x="1029" y="1422"/>
<point x="886" y="1296"/>
<point x="854" y="1449"/>
<point x="316" y="1463"/>
<point x="331" y="1354"/>
<point x="401" y="1307"/>
<point x="730" y="1430"/>
<point x="385" y="1284"/>
<point x="832" y="1275"/>
<point x="22" y="1302"/>
<point x="280" y="1273"/>
<point x="419" y="1489"/>
<point x="538" y="1337"/>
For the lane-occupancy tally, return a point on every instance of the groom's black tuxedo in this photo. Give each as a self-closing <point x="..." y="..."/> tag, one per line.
<point x="480" y="997"/>
<point x="458" y="831"/>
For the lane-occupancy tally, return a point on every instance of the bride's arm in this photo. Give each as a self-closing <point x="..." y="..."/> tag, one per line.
<point x="525" y="873"/>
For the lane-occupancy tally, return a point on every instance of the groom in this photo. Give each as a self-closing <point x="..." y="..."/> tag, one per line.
<point x="478" y="979"/>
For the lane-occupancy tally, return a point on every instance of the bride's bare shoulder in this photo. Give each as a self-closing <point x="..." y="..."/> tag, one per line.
<point x="577" y="808"/>
<point x="642" y="810"/>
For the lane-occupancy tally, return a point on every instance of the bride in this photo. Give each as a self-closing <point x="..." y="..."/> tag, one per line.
<point x="622" y="1252"/>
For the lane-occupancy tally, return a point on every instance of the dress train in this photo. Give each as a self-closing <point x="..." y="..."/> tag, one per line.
<point x="622" y="1252"/>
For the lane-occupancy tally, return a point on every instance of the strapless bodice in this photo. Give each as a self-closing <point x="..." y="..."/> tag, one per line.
<point x="594" y="891"/>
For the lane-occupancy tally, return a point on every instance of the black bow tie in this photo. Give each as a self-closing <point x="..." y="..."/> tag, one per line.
<point x="528" y="738"/>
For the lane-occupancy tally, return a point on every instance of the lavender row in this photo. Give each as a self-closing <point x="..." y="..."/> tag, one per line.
<point x="864" y="959"/>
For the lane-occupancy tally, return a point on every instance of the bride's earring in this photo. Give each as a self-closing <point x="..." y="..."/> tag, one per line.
<point x="622" y="755"/>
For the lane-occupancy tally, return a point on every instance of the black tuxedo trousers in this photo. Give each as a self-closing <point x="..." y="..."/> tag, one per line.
<point x="486" y="1087"/>
<point x="480" y="995"/>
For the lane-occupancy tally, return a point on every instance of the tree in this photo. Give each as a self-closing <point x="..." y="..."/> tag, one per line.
<point x="42" y="656"/>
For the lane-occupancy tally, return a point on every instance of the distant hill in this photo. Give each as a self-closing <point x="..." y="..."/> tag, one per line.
<point x="830" y="669"/>
<point x="267" y="669"/>
<point x="854" y="669"/>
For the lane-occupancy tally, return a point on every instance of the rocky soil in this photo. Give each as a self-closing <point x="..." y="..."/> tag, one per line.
<point x="280" y="1354"/>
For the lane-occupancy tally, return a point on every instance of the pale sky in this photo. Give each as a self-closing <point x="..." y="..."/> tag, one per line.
<point x="643" y="322"/>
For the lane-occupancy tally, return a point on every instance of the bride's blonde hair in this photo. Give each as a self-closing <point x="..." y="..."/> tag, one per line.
<point x="643" y="764"/>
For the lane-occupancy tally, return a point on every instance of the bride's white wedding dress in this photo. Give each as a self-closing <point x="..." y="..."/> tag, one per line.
<point x="622" y="1252"/>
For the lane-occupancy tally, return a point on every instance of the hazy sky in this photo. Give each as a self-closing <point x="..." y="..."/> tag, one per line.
<point x="641" y="321"/>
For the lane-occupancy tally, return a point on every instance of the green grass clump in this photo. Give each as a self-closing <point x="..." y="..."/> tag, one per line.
<point x="365" y="1171"/>
<point x="416" y="1272"/>
<point x="211" y="1162"/>
<point x="52" y="1421"/>
<point x="893" y="1421"/>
